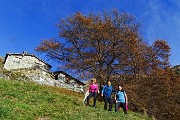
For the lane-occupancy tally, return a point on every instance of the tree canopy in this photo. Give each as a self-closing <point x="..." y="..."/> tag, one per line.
<point x="99" y="45"/>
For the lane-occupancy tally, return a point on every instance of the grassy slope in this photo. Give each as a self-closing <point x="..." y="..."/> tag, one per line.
<point x="28" y="101"/>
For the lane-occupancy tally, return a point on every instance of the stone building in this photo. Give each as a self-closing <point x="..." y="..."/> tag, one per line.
<point x="24" y="60"/>
<point x="38" y="71"/>
<point x="66" y="81"/>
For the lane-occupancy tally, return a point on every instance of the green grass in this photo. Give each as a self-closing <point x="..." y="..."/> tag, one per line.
<point x="29" y="101"/>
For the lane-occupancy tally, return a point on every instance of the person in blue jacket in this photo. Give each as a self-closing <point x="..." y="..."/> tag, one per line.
<point x="121" y="99"/>
<point x="106" y="93"/>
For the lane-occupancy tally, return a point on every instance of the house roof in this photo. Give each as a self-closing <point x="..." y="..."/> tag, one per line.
<point x="25" y="54"/>
<point x="58" y="72"/>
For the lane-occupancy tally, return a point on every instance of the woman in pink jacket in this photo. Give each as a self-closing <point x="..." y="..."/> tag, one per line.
<point x="93" y="90"/>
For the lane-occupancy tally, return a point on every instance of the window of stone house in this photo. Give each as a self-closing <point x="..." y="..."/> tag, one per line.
<point x="16" y="60"/>
<point x="37" y="63"/>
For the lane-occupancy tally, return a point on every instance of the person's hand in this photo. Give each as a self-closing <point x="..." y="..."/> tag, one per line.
<point x="102" y="95"/>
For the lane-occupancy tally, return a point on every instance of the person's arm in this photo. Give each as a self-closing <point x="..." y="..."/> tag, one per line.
<point x="126" y="98"/>
<point x="97" y="89"/>
<point x="103" y="91"/>
<point x="89" y="88"/>
<point x="114" y="91"/>
<point x="115" y="98"/>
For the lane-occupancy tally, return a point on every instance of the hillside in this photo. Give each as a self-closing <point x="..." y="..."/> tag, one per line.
<point x="28" y="101"/>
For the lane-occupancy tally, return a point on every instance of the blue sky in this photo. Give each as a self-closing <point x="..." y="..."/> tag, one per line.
<point x="24" y="23"/>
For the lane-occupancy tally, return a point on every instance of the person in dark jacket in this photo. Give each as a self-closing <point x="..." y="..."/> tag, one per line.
<point x="106" y="93"/>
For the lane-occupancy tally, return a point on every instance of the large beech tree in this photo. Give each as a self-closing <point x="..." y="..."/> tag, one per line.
<point x="99" y="45"/>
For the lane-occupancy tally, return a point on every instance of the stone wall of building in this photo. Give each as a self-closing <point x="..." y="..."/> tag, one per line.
<point x="23" y="61"/>
<point x="46" y="78"/>
<point x="70" y="83"/>
<point x="29" y="67"/>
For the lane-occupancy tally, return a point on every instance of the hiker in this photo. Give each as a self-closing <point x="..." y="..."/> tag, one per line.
<point x="106" y="93"/>
<point x="93" y="92"/>
<point x="121" y="99"/>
